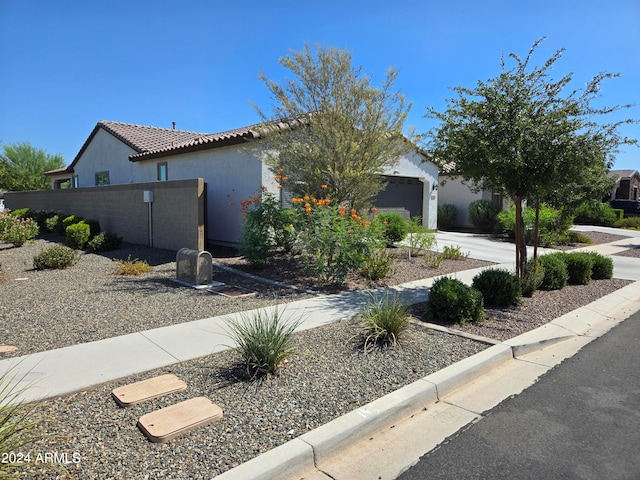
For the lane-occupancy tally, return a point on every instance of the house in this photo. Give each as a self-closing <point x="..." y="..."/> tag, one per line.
<point x="624" y="193"/>
<point x="229" y="163"/>
<point x="454" y="191"/>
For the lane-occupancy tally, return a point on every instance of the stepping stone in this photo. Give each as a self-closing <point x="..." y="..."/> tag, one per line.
<point x="232" y="291"/>
<point x="149" y="389"/>
<point x="7" y="348"/>
<point x="167" y="423"/>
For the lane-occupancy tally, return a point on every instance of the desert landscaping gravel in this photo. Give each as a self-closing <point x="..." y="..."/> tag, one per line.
<point x="329" y="376"/>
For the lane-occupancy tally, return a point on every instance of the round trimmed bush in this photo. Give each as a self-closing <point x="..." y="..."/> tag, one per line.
<point x="579" y="267"/>
<point x="532" y="278"/>
<point x="555" y="271"/>
<point x="602" y="266"/>
<point x="447" y="214"/>
<point x="77" y="235"/>
<point x="450" y="300"/>
<point x="56" y="256"/>
<point x="483" y="215"/>
<point x="395" y="226"/>
<point x="104" y="242"/>
<point x="498" y="287"/>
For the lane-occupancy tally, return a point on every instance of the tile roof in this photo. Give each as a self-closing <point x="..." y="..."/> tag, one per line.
<point x="621" y="173"/>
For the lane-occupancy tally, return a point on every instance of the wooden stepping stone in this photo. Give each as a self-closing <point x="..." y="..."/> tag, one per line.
<point x="149" y="389"/>
<point x="167" y="423"/>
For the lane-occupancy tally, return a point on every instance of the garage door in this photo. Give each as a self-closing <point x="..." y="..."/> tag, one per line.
<point x="402" y="195"/>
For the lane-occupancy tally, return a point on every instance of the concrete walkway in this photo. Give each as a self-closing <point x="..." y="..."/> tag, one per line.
<point x="66" y="370"/>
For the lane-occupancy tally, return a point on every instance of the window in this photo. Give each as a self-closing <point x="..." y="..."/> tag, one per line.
<point x="102" y="178"/>
<point x="162" y="172"/>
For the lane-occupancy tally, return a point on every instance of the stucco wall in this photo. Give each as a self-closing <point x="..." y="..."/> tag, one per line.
<point x="454" y="192"/>
<point x="105" y="153"/>
<point x="177" y="210"/>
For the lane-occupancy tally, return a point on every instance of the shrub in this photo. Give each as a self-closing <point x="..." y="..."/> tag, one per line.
<point x="579" y="267"/>
<point x="264" y="340"/>
<point x="432" y="259"/>
<point x="602" y="266"/>
<point x="498" y="287"/>
<point x="377" y="264"/>
<point x="70" y="220"/>
<point x="595" y="213"/>
<point x="20" y="213"/>
<point x="131" y="267"/>
<point x="632" y="223"/>
<point x="453" y="253"/>
<point x="395" y="226"/>
<point x="266" y="228"/>
<point x="553" y="226"/>
<point x="447" y="215"/>
<point x="54" y="223"/>
<point x="16" y="230"/>
<point x="418" y="237"/>
<point x="94" y="226"/>
<point x="532" y="277"/>
<point x="384" y="321"/>
<point x="104" y="242"/>
<point x="483" y="215"/>
<point x="56" y="256"/>
<point x="577" y="237"/>
<point x="555" y="271"/>
<point x="450" y="300"/>
<point x="40" y="217"/>
<point x="77" y="235"/>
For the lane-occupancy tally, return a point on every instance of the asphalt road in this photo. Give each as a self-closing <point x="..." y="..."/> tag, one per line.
<point x="580" y="421"/>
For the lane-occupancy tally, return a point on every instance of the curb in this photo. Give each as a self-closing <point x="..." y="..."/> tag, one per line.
<point x="303" y="453"/>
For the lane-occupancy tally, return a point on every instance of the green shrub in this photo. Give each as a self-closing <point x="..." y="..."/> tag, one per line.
<point x="553" y="225"/>
<point x="447" y="215"/>
<point x="602" y="266"/>
<point x="579" y="267"/>
<point x="483" y="215"/>
<point x="450" y="300"/>
<point x="377" y="264"/>
<point x="54" y="223"/>
<point x="577" y="237"/>
<point x="56" y="256"/>
<point x="450" y="252"/>
<point x="619" y="212"/>
<point x="555" y="271"/>
<point x="419" y="238"/>
<point x="532" y="277"/>
<point x="395" y="227"/>
<point x="70" y="220"/>
<point x="94" y="226"/>
<point x="105" y="241"/>
<point x="264" y="340"/>
<point x="595" y="213"/>
<point x="77" y="235"/>
<point x="131" y="267"/>
<point x="432" y="259"/>
<point x="384" y="321"/>
<point x="40" y="217"/>
<point x="498" y="287"/>
<point x="20" y="213"/>
<point x="631" y="223"/>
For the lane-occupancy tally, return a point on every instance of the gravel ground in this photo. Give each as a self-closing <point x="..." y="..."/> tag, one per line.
<point x="329" y="377"/>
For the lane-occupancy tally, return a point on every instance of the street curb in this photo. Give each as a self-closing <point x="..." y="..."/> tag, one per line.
<point x="303" y="453"/>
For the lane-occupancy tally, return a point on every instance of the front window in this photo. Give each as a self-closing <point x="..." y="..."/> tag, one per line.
<point x="102" y="178"/>
<point x="162" y="172"/>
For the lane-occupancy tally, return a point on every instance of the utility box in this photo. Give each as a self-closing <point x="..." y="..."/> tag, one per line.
<point x="194" y="267"/>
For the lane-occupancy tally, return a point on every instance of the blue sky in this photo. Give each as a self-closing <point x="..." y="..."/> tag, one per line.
<point x="68" y="64"/>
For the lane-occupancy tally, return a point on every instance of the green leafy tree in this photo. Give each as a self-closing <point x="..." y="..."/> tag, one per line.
<point x="522" y="132"/>
<point x="330" y="126"/>
<point x="22" y="167"/>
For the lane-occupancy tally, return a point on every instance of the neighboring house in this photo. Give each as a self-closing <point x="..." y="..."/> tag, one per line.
<point x="455" y="192"/>
<point x="119" y="153"/>
<point x="624" y="194"/>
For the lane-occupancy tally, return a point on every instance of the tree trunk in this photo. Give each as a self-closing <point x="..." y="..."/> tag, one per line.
<point x="521" y="242"/>
<point x="536" y="231"/>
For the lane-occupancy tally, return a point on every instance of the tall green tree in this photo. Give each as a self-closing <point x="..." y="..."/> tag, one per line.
<point x="527" y="134"/>
<point x="330" y="126"/>
<point x="22" y="167"/>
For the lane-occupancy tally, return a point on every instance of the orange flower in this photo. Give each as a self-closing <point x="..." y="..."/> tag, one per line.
<point x="279" y="186"/>
<point x="323" y="187"/>
<point x="232" y="203"/>
<point x="280" y="170"/>
<point x="374" y="209"/>
<point x="284" y="179"/>
<point x="256" y="199"/>
<point x="342" y="211"/>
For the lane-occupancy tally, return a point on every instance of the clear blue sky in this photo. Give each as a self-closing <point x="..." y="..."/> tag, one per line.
<point x="66" y="64"/>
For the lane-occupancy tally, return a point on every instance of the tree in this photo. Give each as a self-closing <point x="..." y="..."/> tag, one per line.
<point x="522" y="133"/>
<point x="331" y="131"/>
<point x="22" y="167"/>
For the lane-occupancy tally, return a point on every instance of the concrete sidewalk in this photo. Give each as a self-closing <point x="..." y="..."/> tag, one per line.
<point x="78" y="367"/>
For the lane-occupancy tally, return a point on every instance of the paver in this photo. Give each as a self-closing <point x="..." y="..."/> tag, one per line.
<point x="167" y="423"/>
<point x="148" y="389"/>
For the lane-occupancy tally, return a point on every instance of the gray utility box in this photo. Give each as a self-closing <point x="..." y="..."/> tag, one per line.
<point x="194" y="267"/>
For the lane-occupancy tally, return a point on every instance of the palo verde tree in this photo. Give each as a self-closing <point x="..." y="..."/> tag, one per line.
<point x="23" y="167"/>
<point x="526" y="134"/>
<point x="330" y="126"/>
